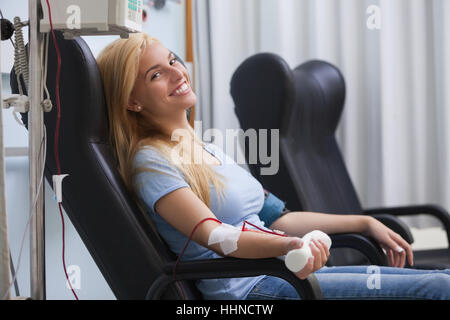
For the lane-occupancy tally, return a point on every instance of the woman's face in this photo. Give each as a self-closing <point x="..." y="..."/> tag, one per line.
<point x="163" y="88"/>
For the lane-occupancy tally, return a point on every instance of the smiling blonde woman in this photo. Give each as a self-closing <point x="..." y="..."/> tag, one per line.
<point x="148" y="93"/>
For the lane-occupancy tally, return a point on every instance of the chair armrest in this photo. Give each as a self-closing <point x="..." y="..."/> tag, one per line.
<point x="433" y="210"/>
<point x="308" y="289"/>
<point x="396" y="225"/>
<point x="365" y="245"/>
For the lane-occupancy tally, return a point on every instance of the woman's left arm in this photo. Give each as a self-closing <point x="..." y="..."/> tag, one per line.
<point x="397" y="248"/>
<point x="297" y="223"/>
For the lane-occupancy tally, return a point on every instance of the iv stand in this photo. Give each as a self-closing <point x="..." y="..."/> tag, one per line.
<point x="4" y="246"/>
<point x="35" y="136"/>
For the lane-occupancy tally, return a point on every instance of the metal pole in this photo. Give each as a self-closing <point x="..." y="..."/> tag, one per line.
<point x="4" y="247"/>
<point x="36" y="134"/>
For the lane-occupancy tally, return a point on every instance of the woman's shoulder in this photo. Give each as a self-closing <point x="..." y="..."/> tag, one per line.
<point x="147" y="154"/>
<point x="150" y="159"/>
<point x="146" y="151"/>
<point x="219" y="152"/>
<point x="213" y="147"/>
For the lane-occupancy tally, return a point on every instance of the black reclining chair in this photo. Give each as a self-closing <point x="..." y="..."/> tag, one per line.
<point x="306" y="105"/>
<point x="263" y="91"/>
<point x="132" y="257"/>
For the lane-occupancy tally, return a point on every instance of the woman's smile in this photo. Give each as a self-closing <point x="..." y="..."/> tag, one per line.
<point x="181" y="90"/>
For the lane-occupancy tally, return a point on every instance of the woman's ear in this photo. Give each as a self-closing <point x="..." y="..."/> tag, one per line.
<point x="134" y="105"/>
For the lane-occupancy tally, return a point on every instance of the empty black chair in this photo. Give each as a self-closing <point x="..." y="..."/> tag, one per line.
<point x="132" y="257"/>
<point x="263" y="90"/>
<point x="315" y="161"/>
<point x="312" y="157"/>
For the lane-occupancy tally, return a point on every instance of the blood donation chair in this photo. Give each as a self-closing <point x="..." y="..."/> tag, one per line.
<point x="133" y="258"/>
<point x="305" y="104"/>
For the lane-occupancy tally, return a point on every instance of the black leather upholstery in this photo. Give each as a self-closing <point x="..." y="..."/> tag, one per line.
<point x="263" y="88"/>
<point x="307" y="108"/>
<point x="314" y="160"/>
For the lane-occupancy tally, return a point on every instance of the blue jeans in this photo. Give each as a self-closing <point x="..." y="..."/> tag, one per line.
<point x="363" y="282"/>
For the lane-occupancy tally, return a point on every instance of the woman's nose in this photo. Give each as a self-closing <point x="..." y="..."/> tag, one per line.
<point x="177" y="74"/>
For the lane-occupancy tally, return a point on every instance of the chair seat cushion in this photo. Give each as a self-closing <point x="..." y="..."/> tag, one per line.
<point x="432" y="259"/>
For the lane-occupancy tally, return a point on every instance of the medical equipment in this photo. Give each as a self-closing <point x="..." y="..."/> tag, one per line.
<point x="87" y="17"/>
<point x="296" y="259"/>
<point x="7" y="29"/>
<point x="4" y="247"/>
<point x="73" y="18"/>
<point x="226" y="236"/>
<point x="160" y="4"/>
<point x="20" y="56"/>
<point x="20" y="103"/>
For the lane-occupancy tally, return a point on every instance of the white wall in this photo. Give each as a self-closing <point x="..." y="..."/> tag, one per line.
<point x="168" y="26"/>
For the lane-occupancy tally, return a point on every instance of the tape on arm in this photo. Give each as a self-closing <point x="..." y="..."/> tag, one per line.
<point x="227" y="236"/>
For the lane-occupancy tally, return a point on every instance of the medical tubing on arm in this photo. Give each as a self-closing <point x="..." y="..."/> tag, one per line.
<point x="184" y="249"/>
<point x="260" y="229"/>
<point x="192" y="235"/>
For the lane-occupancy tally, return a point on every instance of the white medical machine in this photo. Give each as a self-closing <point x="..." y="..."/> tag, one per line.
<point x="88" y="17"/>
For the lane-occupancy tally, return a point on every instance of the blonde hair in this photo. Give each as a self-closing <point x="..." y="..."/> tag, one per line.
<point x="119" y="68"/>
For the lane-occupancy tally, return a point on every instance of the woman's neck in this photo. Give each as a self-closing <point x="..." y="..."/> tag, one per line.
<point x="168" y="129"/>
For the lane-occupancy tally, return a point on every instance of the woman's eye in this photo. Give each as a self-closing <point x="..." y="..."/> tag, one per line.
<point x="156" y="75"/>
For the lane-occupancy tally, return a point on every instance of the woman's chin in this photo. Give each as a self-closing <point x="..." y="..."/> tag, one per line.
<point x="186" y="101"/>
<point x="190" y="100"/>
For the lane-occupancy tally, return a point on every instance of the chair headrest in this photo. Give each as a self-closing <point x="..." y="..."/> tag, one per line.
<point x="319" y="100"/>
<point x="262" y="87"/>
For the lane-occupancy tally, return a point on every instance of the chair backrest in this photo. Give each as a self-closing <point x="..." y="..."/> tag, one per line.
<point x="118" y="235"/>
<point x="308" y="141"/>
<point x="262" y="89"/>
<point x="305" y="104"/>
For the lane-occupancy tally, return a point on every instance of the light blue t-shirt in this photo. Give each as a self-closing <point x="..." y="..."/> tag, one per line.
<point x="243" y="200"/>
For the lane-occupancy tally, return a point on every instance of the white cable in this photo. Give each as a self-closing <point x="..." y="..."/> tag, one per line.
<point x="17" y="119"/>
<point x="46" y="102"/>
<point x="44" y="63"/>
<point x="20" y="55"/>
<point x="32" y="212"/>
<point x="41" y="49"/>
<point x="46" y="39"/>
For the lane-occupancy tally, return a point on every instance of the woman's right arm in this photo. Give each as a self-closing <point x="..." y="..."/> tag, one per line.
<point x="183" y="210"/>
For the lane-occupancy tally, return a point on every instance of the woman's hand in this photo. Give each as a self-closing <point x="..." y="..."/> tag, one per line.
<point x="397" y="249"/>
<point x="320" y="256"/>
